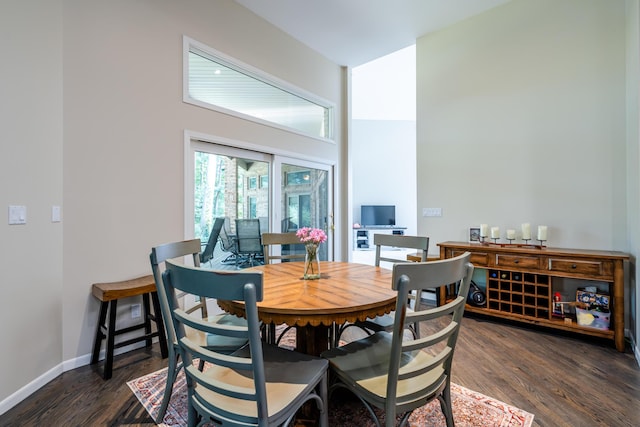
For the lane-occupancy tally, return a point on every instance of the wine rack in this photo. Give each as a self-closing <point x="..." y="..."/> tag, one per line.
<point x="524" y="294"/>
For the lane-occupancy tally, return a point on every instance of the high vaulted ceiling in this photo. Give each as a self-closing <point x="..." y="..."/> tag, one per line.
<point x="353" y="32"/>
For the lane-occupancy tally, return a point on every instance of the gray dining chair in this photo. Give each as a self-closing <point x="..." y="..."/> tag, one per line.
<point x="385" y="322"/>
<point x="259" y="384"/>
<point x="271" y="241"/>
<point x="188" y="249"/>
<point x="397" y="374"/>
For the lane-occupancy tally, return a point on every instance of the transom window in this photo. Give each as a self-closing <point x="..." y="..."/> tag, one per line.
<point x="224" y="84"/>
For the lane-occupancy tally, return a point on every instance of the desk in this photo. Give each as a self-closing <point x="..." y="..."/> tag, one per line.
<point x="346" y="292"/>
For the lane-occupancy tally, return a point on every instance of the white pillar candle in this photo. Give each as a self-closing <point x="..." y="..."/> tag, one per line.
<point x="542" y="232"/>
<point x="495" y="232"/>
<point x="526" y="231"/>
<point x="484" y="230"/>
<point x="511" y="234"/>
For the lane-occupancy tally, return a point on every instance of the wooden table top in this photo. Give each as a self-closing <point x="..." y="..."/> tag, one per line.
<point x="345" y="292"/>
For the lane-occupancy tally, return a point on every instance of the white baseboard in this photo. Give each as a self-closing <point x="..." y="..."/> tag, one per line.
<point x="56" y="371"/>
<point x="30" y="388"/>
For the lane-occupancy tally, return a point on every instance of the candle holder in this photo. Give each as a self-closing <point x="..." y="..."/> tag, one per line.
<point x="482" y="239"/>
<point x="541" y="243"/>
<point x="526" y="241"/>
<point x="495" y="240"/>
<point x="510" y="241"/>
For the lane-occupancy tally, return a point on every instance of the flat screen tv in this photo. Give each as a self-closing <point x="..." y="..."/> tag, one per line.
<point x="377" y="215"/>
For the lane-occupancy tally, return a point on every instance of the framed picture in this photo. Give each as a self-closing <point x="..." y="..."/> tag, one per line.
<point x="474" y="234"/>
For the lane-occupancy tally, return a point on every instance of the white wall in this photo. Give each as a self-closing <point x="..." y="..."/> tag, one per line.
<point x="383" y="136"/>
<point x="384" y="168"/>
<point x="30" y="175"/>
<point x="633" y="160"/>
<point x="522" y="118"/>
<point x="385" y="88"/>
<point x="124" y="123"/>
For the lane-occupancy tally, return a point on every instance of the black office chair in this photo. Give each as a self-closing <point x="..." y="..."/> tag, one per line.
<point x="228" y="243"/>
<point x="207" y="254"/>
<point x="249" y="243"/>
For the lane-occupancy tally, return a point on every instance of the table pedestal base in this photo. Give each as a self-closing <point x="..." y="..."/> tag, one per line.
<point x="312" y="340"/>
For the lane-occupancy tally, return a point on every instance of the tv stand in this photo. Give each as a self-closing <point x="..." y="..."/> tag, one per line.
<point x="363" y="236"/>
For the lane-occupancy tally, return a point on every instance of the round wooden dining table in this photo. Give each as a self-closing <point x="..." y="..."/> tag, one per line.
<point x="345" y="292"/>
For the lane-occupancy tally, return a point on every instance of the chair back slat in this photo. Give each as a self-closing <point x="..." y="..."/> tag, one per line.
<point x="232" y="287"/>
<point x="244" y="393"/>
<point x="216" y="358"/>
<point x="419" y="243"/>
<point x="435" y="361"/>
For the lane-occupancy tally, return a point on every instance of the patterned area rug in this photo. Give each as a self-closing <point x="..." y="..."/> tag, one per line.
<point x="469" y="408"/>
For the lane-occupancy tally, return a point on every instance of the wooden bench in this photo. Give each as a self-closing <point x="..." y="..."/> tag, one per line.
<point x="109" y="294"/>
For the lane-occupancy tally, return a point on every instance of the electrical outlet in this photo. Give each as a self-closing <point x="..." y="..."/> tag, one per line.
<point x="135" y="311"/>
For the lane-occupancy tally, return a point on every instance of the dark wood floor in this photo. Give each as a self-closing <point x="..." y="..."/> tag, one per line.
<point x="564" y="381"/>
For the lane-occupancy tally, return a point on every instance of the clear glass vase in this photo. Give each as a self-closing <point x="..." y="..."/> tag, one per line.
<point x="311" y="262"/>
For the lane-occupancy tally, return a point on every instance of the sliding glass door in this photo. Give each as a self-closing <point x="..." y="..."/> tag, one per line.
<point x="304" y="198"/>
<point x="228" y="183"/>
<point x="283" y="193"/>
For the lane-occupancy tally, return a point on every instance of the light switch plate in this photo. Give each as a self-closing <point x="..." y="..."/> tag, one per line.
<point x="55" y="213"/>
<point x="17" y="215"/>
<point x="432" y="212"/>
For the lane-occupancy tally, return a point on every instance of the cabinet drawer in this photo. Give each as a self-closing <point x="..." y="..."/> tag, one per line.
<point x="588" y="268"/>
<point x="517" y="261"/>
<point x="478" y="259"/>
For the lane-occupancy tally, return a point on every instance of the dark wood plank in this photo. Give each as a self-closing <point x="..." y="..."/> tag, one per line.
<point x="564" y="381"/>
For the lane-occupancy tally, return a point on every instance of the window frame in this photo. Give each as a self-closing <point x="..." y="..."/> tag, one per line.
<point x="191" y="45"/>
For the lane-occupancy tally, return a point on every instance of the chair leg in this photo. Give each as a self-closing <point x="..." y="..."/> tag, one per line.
<point x="147" y="318"/>
<point x="97" y="343"/>
<point x="271" y="333"/>
<point x="445" y="405"/>
<point x="324" y="410"/>
<point x="157" y="317"/>
<point x="111" y="336"/>
<point x="172" y="374"/>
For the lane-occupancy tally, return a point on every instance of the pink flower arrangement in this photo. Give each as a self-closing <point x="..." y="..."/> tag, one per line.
<point x="311" y="235"/>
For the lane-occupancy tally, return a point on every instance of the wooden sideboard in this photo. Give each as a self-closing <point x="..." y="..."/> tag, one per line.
<point x="521" y="281"/>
